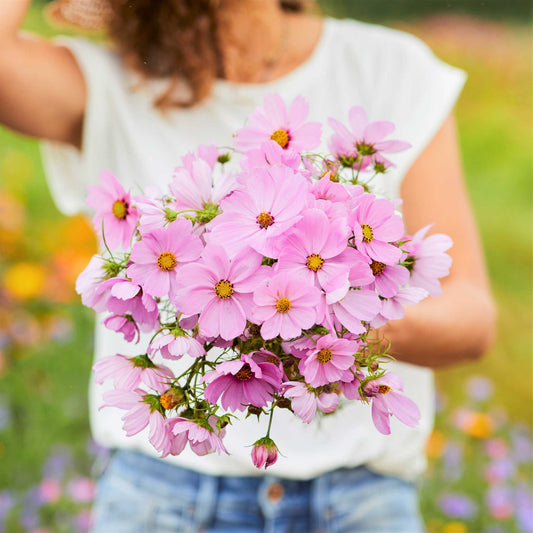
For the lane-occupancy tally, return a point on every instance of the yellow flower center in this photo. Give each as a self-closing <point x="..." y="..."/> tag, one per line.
<point x="224" y="289"/>
<point x="265" y="220"/>
<point x="281" y="137"/>
<point x="368" y="233"/>
<point x="324" y="355"/>
<point x="383" y="389"/>
<point x="283" y="305"/>
<point x="245" y="373"/>
<point x="272" y="359"/>
<point x="120" y="209"/>
<point x="377" y="267"/>
<point x="167" y="261"/>
<point x="314" y="262"/>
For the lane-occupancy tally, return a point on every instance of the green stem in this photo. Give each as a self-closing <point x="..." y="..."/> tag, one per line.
<point x="270" y="421"/>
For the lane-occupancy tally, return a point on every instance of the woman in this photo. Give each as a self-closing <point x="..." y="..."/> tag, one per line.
<point x="185" y="72"/>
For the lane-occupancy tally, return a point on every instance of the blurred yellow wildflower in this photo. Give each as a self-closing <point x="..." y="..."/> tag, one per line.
<point x="24" y="280"/>
<point x="479" y="426"/>
<point x="454" y="527"/>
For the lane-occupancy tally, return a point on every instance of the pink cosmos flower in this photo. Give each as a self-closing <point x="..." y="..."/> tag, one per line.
<point x="274" y="122"/>
<point x="375" y="226"/>
<point x="113" y="207"/>
<point x="349" y="385"/>
<point x="264" y="453"/>
<point x="125" y="325"/>
<point x="127" y="298"/>
<point x="328" y="360"/>
<point x="305" y="401"/>
<point x="89" y="284"/>
<point x="316" y="251"/>
<point x="350" y="311"/>
<point x="154" y="213"/>
<point x="141" y="414"/>
<point x="430" y="262"/>
<point x="394" y="308"/>
<point x="220" y="290"/>
<point x="325" y="189"/>
<point x="268" y="205"/>
<point x="196" y="189"/>
<point x="158" y="257"/>
<point x="365" y="141"/>
<point x="128" y="373"/>
<point x="301" y="346"/>
<point x="388" y="278"/>
<point x="386" y="402"/>
<point x="285" y="306"/>
<point x="203" y="438"/>
<point x="242" y="382"/>
<point x="176" y="344"/>
<point x="269" y="154"/>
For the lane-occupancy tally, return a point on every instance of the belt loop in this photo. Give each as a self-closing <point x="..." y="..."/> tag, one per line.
<point x="206" y="499"/>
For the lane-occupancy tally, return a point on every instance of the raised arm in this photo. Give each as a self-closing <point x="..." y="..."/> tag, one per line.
<point x="460" y="324"/>
<point x="42" y="90"/>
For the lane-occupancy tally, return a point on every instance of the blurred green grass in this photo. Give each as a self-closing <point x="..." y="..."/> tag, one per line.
<point x="45" y="386"/>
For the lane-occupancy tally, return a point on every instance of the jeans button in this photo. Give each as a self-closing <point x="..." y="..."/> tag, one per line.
<point x="275" y="492"/>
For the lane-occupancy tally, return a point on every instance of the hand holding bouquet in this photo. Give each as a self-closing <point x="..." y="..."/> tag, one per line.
<point x="263" y="281"/>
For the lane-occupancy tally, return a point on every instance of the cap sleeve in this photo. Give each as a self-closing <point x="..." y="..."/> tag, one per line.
<point x="68" y="170"/>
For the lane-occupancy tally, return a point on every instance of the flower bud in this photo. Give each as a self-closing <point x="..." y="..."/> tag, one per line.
<point x="254" y="410"/>
<point x="264" y="453"/>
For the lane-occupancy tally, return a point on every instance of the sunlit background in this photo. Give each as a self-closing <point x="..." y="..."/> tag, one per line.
<point x="480" y="473"/>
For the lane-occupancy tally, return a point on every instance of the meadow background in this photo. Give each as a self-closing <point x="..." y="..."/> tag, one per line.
<point x="480" y="473"/>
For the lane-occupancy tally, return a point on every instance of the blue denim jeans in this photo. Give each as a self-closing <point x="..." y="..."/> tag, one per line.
<point x="140" y="494"/>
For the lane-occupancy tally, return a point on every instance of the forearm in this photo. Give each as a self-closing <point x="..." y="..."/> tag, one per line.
<point x="457" y="326"/>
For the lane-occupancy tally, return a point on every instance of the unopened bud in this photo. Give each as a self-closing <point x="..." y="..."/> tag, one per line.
<point x="374" y="366"/>
<point x="264" y="453"/>
<point x="283" y="403"/>
<point x="254" y="410"/>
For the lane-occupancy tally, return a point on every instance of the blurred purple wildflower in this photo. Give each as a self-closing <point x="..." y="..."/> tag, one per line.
<point x="453" y="461"/>
<point x="479" y="388"/>
<point x="522" y="450"/>
<point x="499" y="501"/>
<point x="5" y="416"/>
<point x="457" y="505"/>
<point x="523" y="498"/>
<point x="499" y="471"/>
<point x="60" y="459"/>
<point x="7" y="502"/>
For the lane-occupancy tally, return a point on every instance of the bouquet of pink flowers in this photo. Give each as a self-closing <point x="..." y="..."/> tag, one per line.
<point x="264" y="281"/>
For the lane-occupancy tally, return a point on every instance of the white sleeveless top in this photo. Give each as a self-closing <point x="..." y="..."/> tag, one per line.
<point x="394" y="76"/>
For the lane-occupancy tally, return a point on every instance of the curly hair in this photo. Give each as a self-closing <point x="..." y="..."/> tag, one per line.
<point x="176" y="40"/>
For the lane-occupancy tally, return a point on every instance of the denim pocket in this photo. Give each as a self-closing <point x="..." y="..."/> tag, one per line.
<point x="134" y="501"/>
<point x="363" y="501"/>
